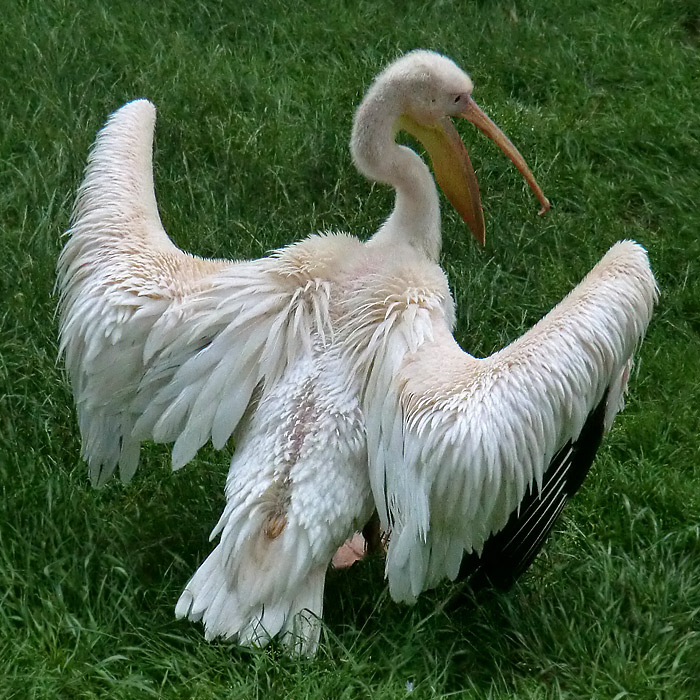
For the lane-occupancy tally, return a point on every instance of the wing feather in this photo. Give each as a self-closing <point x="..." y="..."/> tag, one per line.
<point x="487" y="430"/>
<point x="160" y="344"/>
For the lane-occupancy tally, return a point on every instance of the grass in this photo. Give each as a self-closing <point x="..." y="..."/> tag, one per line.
<point x="255" y="105"/>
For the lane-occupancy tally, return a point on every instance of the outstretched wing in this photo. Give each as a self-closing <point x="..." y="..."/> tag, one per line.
<point x="462" y="449"/>
<point x="158" y="343"/>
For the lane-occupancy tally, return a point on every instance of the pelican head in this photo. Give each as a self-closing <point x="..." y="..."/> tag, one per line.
<point x="420" y="93"/>
<point x="430" y="87"/>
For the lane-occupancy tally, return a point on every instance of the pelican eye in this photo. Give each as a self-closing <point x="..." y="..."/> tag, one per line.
<point x="458" y="99"/>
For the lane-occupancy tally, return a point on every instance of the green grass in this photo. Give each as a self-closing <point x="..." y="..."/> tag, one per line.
<point x="255" y="108"/>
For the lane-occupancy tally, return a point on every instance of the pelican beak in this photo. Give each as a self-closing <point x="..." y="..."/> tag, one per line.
<point x="453" y="168"/>
<point x="473" y="113"/>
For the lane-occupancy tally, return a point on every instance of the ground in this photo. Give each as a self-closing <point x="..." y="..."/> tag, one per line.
<point x="255" y="106"/>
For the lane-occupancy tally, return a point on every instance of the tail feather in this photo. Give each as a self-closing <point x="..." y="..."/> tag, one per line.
<point x="239" y="613"/>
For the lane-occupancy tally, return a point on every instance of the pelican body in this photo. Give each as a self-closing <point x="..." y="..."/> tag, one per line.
<point x="331" y="364"/>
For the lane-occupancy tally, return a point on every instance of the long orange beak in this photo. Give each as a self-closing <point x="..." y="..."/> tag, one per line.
<point x="473" y="113"/>
<point x="453" y="168"/>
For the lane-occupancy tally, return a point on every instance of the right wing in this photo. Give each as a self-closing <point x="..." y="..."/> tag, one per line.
<point x="160" y="344"/>
<point x="462" y="449"/>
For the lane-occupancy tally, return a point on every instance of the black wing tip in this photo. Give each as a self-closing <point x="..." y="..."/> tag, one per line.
<point x="510" y="552"/>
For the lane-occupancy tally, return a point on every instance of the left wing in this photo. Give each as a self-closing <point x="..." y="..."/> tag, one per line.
<point x="160" y="344"/>
<point x="461" y="449"/>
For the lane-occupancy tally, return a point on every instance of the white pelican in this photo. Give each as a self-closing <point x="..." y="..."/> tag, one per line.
<point x="325" y="358"/>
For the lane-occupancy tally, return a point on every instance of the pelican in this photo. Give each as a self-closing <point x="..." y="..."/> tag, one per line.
<point x="332" y="365"/>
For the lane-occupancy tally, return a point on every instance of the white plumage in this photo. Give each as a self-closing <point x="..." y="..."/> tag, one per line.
<point x="455" y="441"/>
<point x="332" y="364"/>
<point x="161" y="345"/>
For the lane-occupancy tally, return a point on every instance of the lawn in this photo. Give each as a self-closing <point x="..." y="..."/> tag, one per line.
<point x="255" y="106"/>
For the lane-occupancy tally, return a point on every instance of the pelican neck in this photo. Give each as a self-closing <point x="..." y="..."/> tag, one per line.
<point x="415" y="219"/>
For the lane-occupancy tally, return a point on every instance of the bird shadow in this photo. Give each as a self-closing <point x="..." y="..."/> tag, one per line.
<point x="454" y="635"/>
